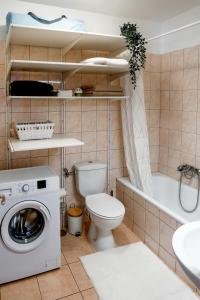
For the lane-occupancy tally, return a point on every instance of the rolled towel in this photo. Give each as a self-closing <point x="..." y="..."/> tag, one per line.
<point x="106" y="61"/>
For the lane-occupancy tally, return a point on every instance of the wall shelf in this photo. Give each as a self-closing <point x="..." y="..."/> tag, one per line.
<point x="66" y="67"/>
<point x="49" y="37"/>
<point x="68" y="98"/>
<point x="58" y="141"/>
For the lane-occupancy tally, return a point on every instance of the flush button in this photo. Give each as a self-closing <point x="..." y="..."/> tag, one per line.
<point x="25" y="188"/>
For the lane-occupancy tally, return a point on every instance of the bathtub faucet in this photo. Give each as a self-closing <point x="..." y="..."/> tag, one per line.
<point x="188" y="170"/>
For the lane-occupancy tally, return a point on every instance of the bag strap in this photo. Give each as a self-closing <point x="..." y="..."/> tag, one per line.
<point x="46" y="21"/>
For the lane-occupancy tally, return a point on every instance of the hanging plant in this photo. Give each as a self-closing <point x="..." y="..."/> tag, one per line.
<point x="135" y="42"/>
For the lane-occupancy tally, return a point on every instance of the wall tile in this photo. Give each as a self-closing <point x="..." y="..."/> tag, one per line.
<point x="152" y="226"/>
<point x="177" y="60"/>
<point x="166" y="234"/>
<point x="191" y="57"/>
<point x="190" y="100"/>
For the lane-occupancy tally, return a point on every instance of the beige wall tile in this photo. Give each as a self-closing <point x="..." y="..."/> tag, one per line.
<point x="165" y="62"/>
<point x="177" y="60"/>
<point x="155" y="100"/>
<point x="164" y="119"/>
<point x="89" y="121"/>
<point x="190" y="100"/>
<point x="173" y="158"/>
<point x="73" y="121"/>
<point x="154" y="116"/>
<point x="191" y="57"/>
<point x="154" y="246"/>
<point x="167" y="219"/>
<point x="152" y="226"/>
<point x="165" y="81"/>
<point x="163" y="155"/>
<point x="176" y="81"/>
<point x="189" y="142"/>
<point x="166" y="234"/>
<point x="164" y="136"/>
<point x="139" y="216"/>
<point x="19" y="52"/>
<point x="155" y="81"/>
<point x="167" y="258"/>
<point x="154" y="136"/>
<point x="115" y="120"/>
<point x="155" y="63"/>
<point x="102" y="120"/>
<point x="189" y="122"/>
<point x="38" y="53"/>
<point x="175" y="139"/>
<point x="175" y="120"/>
<point x="89" y="138"/>
<point x="190" y="79"/>
<point x="176" y="100"/>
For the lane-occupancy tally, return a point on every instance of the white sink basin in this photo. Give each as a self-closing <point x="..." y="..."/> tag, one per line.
<point x="186" y="245"/>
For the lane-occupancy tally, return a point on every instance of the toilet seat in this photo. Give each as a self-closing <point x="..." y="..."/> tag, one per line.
<point x="105" y="206"/>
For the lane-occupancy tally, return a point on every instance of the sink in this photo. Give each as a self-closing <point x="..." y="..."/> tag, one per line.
<point x="186" y="245"/>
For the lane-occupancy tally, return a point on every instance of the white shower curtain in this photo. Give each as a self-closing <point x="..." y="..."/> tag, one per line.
<point x="135" y="135"/>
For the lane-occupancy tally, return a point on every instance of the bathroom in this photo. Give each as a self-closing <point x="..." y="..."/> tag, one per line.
<point x="100" y="127"/>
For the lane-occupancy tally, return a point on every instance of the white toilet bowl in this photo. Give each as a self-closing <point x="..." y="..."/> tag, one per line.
<point x="106" y="214"/>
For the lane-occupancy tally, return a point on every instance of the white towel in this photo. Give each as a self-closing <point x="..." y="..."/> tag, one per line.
<point x="106" y="61"/>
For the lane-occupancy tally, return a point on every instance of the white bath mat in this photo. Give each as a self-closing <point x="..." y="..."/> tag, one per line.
<point x="133" y="272"/>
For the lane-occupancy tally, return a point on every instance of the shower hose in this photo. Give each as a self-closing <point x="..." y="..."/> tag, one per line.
<point x="189" y="172"/>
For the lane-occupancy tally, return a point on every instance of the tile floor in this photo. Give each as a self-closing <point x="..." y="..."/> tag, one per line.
<point x="70" y="282"/>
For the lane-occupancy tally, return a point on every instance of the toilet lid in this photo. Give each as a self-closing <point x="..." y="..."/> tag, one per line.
<point x="104" y="205"/>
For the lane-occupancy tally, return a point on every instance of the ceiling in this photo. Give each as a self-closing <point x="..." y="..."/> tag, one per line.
<point x="155" y="10"/>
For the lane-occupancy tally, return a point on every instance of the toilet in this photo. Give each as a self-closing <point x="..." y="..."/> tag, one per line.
<point x="106" y="212"/>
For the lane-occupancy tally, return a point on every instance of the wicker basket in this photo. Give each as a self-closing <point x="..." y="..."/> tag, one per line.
<point x="35" y="130"/>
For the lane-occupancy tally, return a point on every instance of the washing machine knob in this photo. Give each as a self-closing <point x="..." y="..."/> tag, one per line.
<point x="25" y="188"/>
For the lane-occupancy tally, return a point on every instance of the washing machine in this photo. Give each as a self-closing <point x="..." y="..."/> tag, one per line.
<point x="29" y="222"/>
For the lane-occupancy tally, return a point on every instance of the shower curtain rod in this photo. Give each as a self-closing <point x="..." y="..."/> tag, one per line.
<point x="173" y="31"/>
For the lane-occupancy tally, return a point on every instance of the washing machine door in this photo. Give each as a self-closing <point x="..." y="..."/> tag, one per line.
<point x="25" y="226"/>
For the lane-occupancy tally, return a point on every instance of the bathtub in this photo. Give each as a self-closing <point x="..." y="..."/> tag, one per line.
<point x="166" y="197"/>
<point x="155" y="219"/>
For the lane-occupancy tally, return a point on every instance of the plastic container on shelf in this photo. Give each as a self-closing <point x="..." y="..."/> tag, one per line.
<point x="75" y="220"/>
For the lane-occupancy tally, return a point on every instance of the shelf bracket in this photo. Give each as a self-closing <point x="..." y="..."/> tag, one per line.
<point x="117" y="52"/>
<point x="71" y="73"/>
<point x="117" y="76"/>
<point x="71" y="45"/>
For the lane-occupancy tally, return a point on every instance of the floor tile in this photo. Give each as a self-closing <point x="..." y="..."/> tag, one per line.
<point x="80" y="276"/>
<point x="90" y="295"/>
<point x="57" y="284"/>
<point x="63" y="260"/>
<point x="77" y="296"/>
<point x="123" y="235"/>
<point x="21" y="290"/>
<point x="74" y="247"/>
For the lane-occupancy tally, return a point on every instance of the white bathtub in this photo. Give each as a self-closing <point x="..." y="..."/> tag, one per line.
<point x="165" y="190"/>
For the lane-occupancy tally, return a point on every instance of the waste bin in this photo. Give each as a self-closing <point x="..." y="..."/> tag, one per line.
<point x="75" y="220"/>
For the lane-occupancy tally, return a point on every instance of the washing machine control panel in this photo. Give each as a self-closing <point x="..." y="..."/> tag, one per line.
<point x="32" y="186"/>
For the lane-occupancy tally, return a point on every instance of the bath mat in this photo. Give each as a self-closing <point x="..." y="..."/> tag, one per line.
<point x="133" y="272"/>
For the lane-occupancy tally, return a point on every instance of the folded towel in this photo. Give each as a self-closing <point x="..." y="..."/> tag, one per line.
<point x="105" y="61"/>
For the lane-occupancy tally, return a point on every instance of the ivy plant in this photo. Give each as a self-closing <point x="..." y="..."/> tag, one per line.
<point x="135" y="43"/>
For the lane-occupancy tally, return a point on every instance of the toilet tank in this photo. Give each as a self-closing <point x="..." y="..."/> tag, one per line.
<point x="91" y="177"/>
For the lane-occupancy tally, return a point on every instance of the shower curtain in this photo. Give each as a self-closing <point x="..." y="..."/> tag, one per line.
<point x="135" y="135"/>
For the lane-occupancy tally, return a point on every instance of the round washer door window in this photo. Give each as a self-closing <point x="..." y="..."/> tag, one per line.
<point x="25" y="225"/>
